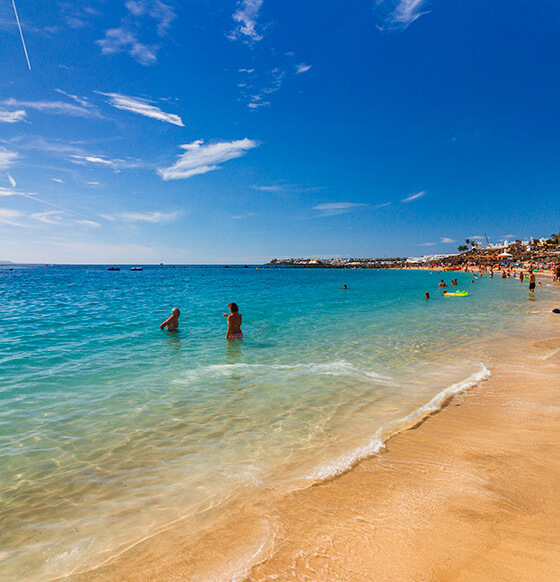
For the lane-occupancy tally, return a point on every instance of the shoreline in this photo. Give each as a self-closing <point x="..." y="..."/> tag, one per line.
<point x="469" y="493"/>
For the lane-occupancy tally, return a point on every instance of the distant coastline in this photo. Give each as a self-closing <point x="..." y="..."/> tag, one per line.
<point x="517" y="254"/>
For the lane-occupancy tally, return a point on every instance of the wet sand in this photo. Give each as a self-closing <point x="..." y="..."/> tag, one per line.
<point x="471" y="493"/>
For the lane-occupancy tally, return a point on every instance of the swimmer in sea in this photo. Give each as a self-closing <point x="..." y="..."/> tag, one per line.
<point x="234" y="322"/>
<point x="442" y="283"/>
<point x="427" y="296"/>
<point x="172" y="323"/>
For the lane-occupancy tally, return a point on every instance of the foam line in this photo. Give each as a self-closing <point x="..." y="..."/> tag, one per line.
<point x="377" y="443"/>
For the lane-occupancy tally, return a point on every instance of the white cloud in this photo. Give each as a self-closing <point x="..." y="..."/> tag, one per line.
<point x="12" y="116"/>
<point x="108" y="217"/>
<point x="81" y="100"/>
<point x="447" y="240"/>
<point x="118" y="40"/>
<point x="7" y="158"/>
<point x="48" y="217"/>
<point x="256" y="103"/>
<point x="156" y="217"/>
<point x="116" y="164"/>
<point x="12" y="181"/>
<point x="414" y="196"/>
<point x="53" y="107"/>
<point x="478" y="237"/>
<point x="125" y="38"/>
<point x="302" y="68"/>
<point x="332" y="208"/>
<point x="270" y="188"/>
<point x="142" y="107"/>
<point x="7" y="192"/>
<point x="385" y="204"/>
<point x="57" y="180"/>
<point x="249" y="71"/>
<point x="399" y="14"/>
<point x="10" y="217"/>
<point x="200" y="159"/>
<point x="275" y="78"/>
<point x="427" y="244"/>
<point x="91" y="160"/>
<point x="246" y="16"/>
<point x="289" y="188"/>
<point x="90" y="223"/>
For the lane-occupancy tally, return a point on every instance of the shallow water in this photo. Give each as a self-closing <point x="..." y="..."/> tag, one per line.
<point x="111" y="428"/>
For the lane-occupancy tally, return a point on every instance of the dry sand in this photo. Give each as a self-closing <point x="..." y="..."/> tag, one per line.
<point x="470" y="494"/>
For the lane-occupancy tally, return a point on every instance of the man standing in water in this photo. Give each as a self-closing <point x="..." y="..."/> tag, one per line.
<point x="172" y="323"/>
<point x="532" y="281"/>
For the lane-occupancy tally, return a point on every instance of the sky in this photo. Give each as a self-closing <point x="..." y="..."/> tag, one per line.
<point x="200" y="132"/>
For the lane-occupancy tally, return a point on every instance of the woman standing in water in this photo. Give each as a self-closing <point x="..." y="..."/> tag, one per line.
<point x="234" y="322"/>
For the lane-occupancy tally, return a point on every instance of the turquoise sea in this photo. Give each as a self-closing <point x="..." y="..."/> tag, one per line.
<point x="110" y="428"/>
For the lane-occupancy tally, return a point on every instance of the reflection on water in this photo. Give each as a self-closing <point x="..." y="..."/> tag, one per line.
<point x="173" y="339"/>
<point x="234" y="351"/>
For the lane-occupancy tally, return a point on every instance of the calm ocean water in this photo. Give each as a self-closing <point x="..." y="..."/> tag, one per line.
<point x="111" y="428"/>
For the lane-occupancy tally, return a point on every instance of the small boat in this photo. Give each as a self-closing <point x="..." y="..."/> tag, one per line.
<point x="137" y="269"/>
<point x="113" y="268"/>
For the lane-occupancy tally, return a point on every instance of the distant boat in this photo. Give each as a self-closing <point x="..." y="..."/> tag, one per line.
<point x="113" y="268"/>
<point x="137" y="269"/>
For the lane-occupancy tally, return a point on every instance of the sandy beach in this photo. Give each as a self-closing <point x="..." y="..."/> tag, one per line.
<point x="470" y="493"/>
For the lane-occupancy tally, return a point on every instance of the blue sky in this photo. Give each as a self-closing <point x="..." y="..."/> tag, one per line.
<point x="155" y="131"/>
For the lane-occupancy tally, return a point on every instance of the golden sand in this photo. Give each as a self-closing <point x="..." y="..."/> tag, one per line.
<point x="470" y="494"/>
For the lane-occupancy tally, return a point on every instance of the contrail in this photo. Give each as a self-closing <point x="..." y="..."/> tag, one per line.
<point x="21" y="34"/>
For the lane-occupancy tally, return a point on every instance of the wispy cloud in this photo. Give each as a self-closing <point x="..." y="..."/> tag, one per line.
<point x="142" y="15"/>
<point x="7" y="158"/>
<point x="447" y="240"/>
<point x="57" y="180"/>
<point x="333" y="208"/>
<point x="12" y="116"/>
<point x="88" y="223"/>
<point x="414" y="196"/>
<point x="288" y="188"/>
<point x="12" y="181"/>
<point x="270" y="83"/>
<point x="100" y="160"/>
<point x="427" y="244"/>
<point x="302" y="68"/>
<point x="246" y="16"/>
<point x="398" y="14"/>
<point x="156" y="217"/>
<point x="200" y="159"/>
<point x="10" y="217"/>
<point x="48" y="217"/>
<point x="142" y="107"/>
<point x="91" y="160"/>
<point x="118" y="40"/>
<point x="52" y="107"/>
<point x="81" y="100"/>
<point x="477" y="237"/>
<point x="270" y="188"/>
